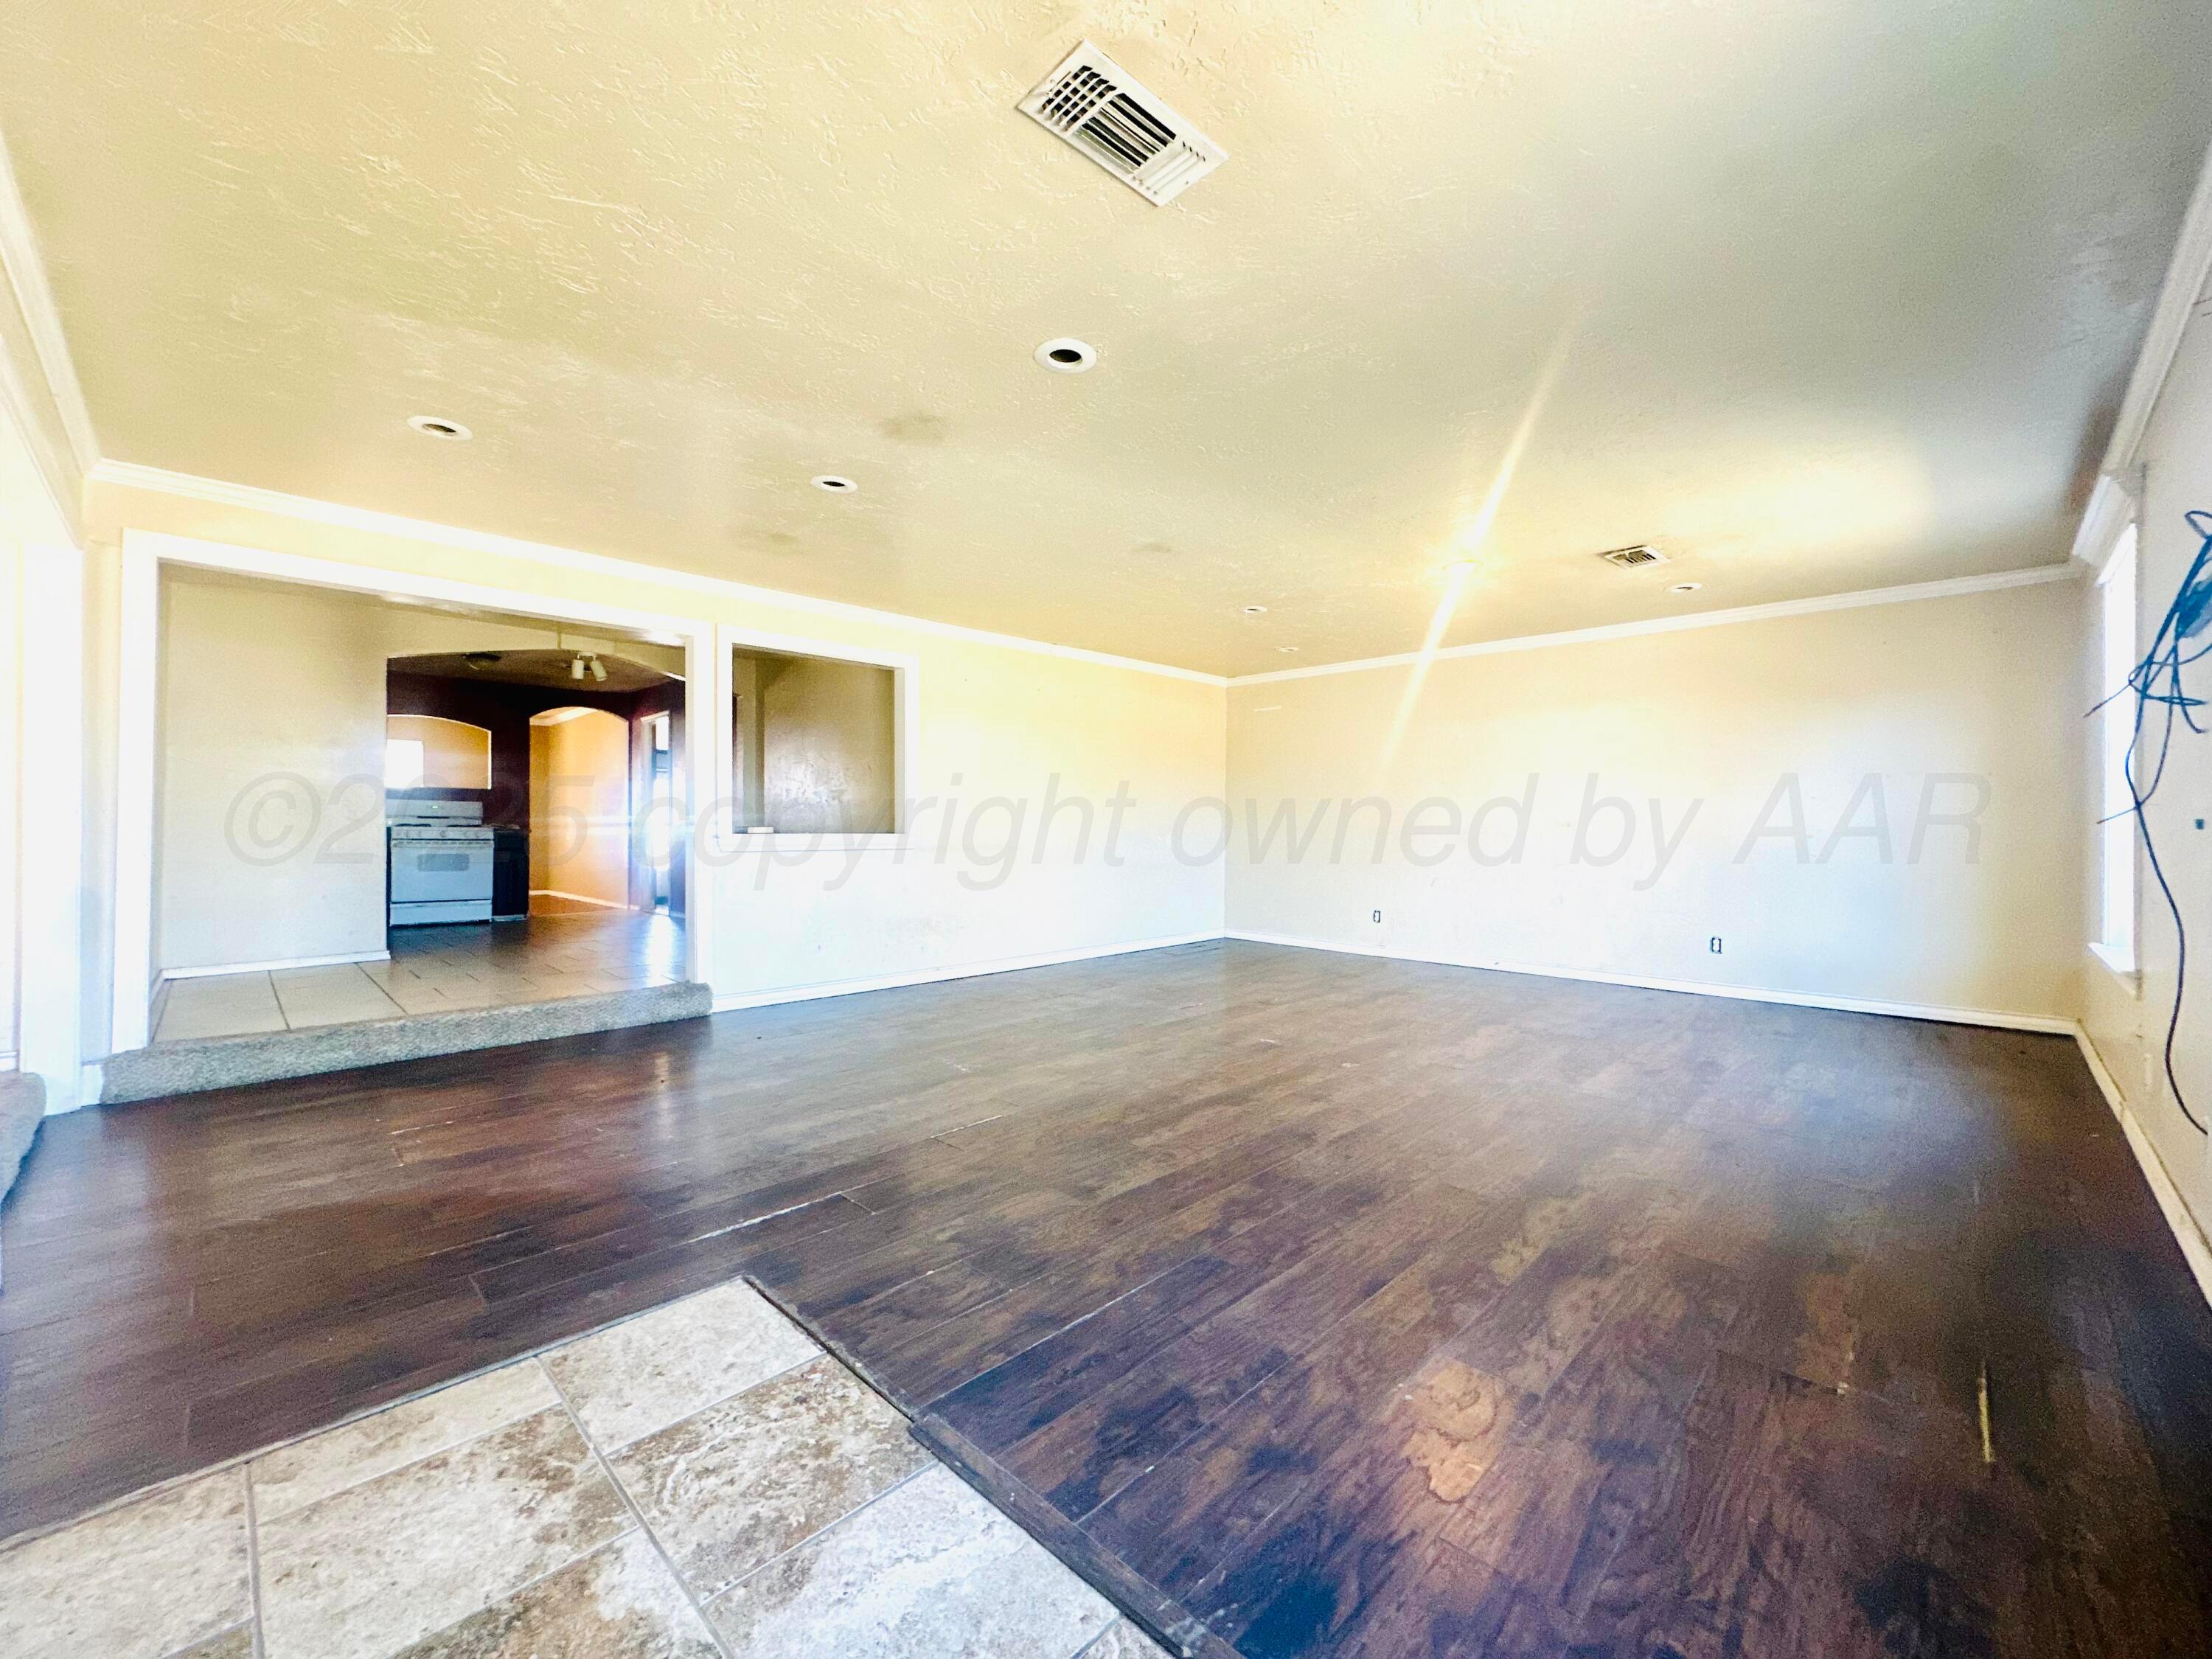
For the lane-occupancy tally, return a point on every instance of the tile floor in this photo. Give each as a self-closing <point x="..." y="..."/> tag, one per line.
<point x="568" y="953"/>
<point x="699" y="1482"/>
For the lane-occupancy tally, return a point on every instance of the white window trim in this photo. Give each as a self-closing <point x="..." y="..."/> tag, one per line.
<point x="2121" y="963"/>
<point x="2119" y="956"/>
<point x="730" y="838"/>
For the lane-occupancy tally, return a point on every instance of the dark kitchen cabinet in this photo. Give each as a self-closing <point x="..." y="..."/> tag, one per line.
<point x="510" y="874"/>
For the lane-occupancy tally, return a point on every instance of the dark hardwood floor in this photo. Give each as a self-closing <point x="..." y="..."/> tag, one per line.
<point x="1314" y="1304"/>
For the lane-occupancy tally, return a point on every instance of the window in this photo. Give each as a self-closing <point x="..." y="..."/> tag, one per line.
<point x="2116" y="726"/>
<point x="402" y="763"/>
<point x="813" y="744"/>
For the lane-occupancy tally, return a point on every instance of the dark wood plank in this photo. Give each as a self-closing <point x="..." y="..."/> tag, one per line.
<point x="1306" y="1303"/>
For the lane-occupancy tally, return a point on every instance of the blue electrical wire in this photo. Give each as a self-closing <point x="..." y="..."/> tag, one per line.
<point x="2156" y="682"/>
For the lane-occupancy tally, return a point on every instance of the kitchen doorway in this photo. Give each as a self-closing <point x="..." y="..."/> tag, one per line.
<point x="488" y="810"/>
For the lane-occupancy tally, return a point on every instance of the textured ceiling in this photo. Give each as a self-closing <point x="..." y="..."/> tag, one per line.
<point x="1825" y="294"/>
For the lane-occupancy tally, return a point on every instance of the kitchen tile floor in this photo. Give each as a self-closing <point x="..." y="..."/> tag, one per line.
<point x="699" y="1482"/>
<point x="571" y="951"/>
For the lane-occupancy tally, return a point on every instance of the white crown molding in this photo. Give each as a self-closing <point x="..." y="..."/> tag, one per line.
<point x="129" y="475"/>
<point x="35" y="500"/>
<point x="1950" y="588"/>
<point x="26" y="274"/>
<point x="2111" y="509"/>
<point x="2186" y="275"/>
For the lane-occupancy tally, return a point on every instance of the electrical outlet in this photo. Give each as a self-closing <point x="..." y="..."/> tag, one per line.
<point x="1378" y="916"/>
<point x="1714" y="945"/>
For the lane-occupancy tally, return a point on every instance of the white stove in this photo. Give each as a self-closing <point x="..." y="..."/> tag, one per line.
<point x="441" y="853"/>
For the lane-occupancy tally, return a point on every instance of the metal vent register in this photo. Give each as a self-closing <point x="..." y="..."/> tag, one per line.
<point x="1097" y="106"/>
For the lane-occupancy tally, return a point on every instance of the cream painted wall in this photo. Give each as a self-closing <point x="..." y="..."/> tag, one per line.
<point x="11" y="702"/>
<point x="1023" y="748"/>
<point x="102" y="669"/>
<point x="43" y="572"/>
<point x="579" y="822"/>
<point x="1003" y="732"/>
<point x="824" y="730"/>
<point x="272" y="765"/>
<point x="1699" y="735"/>
<point x="1972" y="686"/>
<point x="2127" y="1021"/>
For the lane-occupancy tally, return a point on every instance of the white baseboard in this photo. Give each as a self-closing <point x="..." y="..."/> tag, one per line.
<point x="2186" y="1233"/>
<point x="278" y="966"/>
<point x="580" y="898"/>
<point x="10" y="1060"/>
<point x="89" y="1080"/>
<point x="1995" y="1017"/>
<point x="843" y="988"/>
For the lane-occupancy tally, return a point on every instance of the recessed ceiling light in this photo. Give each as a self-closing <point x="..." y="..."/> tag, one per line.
<point x="1254" y="609"/>
<point x="1065" y="356"/>
<point x="1458" y="566"/>
<point x="835" y="483"/>
<point x="437" y="426"/>
<point x="1288" y="650"/>
<point x="1685" y="588"/>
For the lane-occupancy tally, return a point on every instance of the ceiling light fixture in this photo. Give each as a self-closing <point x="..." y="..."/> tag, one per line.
<point x="1288" y="650"/>
<point x="1254" y="609"/>
<point x="1065" y="356"/>
<point x="1685" y="588"/>
<point x="835" y="483"/>
<point x="436" y="426"/>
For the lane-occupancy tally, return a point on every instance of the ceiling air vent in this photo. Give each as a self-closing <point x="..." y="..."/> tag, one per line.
<point x="1628" y="558"/>
<point x="1096" y="106"/>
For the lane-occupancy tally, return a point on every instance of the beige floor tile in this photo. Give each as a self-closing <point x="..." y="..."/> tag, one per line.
<point x="928" y="1571"/>
<point x="620" y="1603"/>
<point x="510" y="987"/>
<point x="221" y="1005"/>
<point x="417" y="998"/>
<point x="331" y="996"/>
<point x="424" y="997"/>
<point x="473" y="995"/>
<point x="310" y="1470"/>
<point x="741" y="1482"/>
<point x="442" y="976"/>
<point x="367" y="1571"/>
<point x="588" y="954"/>
<point x="645" y="1373"/>
<point x="231" y="1645"/>
<point x="140" y="1582"/>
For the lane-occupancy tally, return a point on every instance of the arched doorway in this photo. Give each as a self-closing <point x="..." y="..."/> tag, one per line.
<point x="580" y="841"/>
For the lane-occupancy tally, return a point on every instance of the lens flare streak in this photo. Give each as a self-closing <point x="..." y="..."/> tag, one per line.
<point x="1469" y="540"/>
